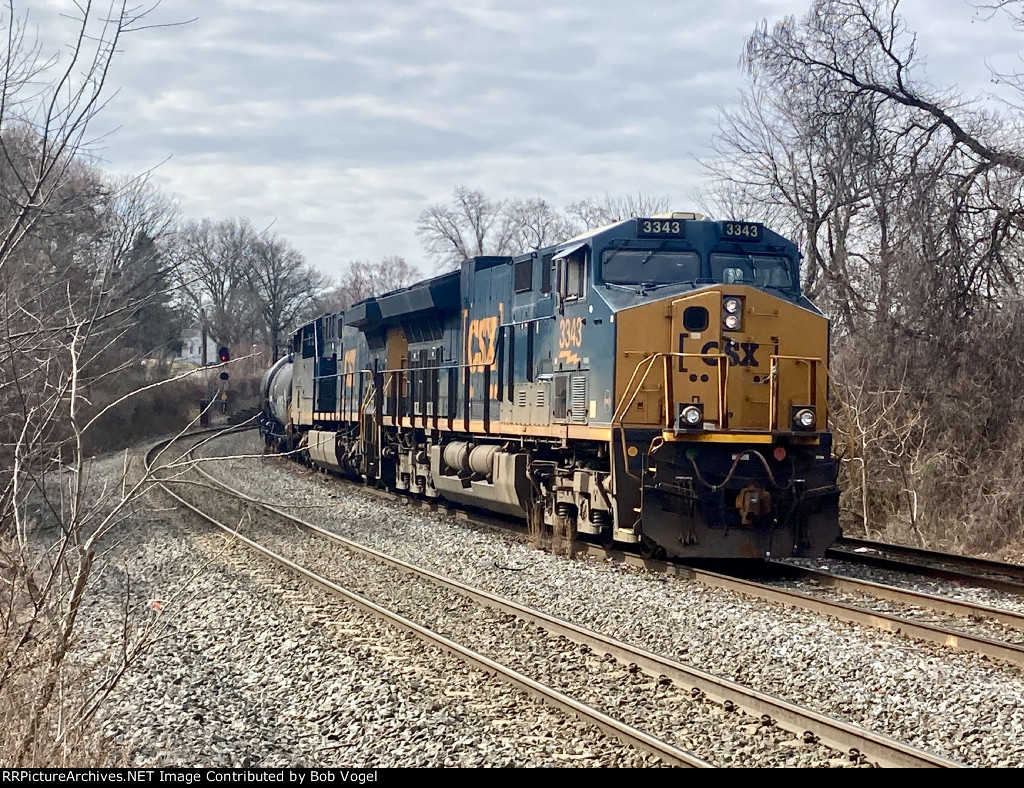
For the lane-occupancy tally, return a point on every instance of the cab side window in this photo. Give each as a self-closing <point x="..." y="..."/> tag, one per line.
<point x="545" y="274"/>
<point x="522" y="279"/>
<point x="572" y="276"/>
<point x="308" y="342"/>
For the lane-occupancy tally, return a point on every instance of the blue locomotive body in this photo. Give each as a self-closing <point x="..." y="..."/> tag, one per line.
<point x="659" y="382"/>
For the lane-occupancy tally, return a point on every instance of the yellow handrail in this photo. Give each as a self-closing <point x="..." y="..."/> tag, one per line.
<point x="773" y="389"/>
<point x="624" y="405"/>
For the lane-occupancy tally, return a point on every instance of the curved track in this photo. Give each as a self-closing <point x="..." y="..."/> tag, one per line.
<point x="811" y="726"/>
<point x="980" y="572"/>
<point x="620" y="730"/>
<point x="933" y="618"/>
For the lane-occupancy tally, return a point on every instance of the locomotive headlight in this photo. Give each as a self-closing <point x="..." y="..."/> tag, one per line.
<point x="732" y="313"/>
<point x="803" y="418"/>
<point x="690" y="417"/>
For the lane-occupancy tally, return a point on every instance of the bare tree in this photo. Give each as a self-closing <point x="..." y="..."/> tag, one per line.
<point x="865" y="46"/>
<point x="907" y="201"/>
<point x="214" y="263"/>
<point x="68" y="244"/>
<point x="284" y="284"/>
<point x="472" y="225"/>
<point x="53" y="99"/>
<point x="133" y="255"/>
<point x="364" y="279"/>
<point x="538" y="224"/>
<point x="592" y="212"/>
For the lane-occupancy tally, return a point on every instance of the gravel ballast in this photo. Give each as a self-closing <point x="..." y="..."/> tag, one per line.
<point x="255" y="669"/>
<point x="957" y="704"/>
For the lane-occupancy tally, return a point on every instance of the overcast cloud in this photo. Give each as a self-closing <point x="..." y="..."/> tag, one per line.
<point x="338" y="122"/>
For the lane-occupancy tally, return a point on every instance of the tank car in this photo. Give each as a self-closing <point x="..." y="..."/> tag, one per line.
<point x="660" y="382"/>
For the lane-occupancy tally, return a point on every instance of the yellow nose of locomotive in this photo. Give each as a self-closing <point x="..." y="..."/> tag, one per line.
<point x="734" y="358"/>
<point x="731" y="382"/>
<point x="754" y="362"/>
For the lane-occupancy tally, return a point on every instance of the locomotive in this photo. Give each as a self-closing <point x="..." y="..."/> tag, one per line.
<point x="659" y="382"/>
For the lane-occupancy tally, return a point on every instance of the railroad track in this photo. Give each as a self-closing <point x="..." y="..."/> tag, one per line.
<point x="958" y="624"/>
<point x="628" y="734"/>
<point x="869" y="616"/>
<point x="806" y="725"/>
<point x="1010" y="623"/>
<point x="984" y="629"/>
<point x="980" y="572"/>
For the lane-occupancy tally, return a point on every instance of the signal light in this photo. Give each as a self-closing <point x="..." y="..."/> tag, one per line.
<point x="224" y="354"/>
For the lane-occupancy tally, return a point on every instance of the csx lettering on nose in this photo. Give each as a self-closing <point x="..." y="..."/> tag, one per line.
<point x="731" y="350"/>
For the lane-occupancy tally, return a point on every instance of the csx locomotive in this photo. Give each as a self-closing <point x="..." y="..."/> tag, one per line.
<point x="659" y="382"/>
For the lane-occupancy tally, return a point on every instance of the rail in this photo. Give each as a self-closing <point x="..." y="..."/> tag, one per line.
<point x="614" y="727"/>
<point x="830" y="731"/>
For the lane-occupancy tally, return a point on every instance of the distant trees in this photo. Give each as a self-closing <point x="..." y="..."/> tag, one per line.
<point x="473" y="224"/>
<point x="364" y="279"/>
<point x="140" y="225"/>
<point x="591" y="212"/>
<point x="241" y="285"/>
<point x="285" y="286"/>
<point x="213" y="265"/>
<point x="907" y="202"/>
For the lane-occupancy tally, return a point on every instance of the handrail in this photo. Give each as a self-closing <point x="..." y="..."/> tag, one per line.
<point x="620" y="411"/>
<point x="773" y="389"/>
<point x="720" y="358"/>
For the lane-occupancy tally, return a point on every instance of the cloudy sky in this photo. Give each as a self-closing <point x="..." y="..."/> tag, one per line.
<point x="338" y="122"/>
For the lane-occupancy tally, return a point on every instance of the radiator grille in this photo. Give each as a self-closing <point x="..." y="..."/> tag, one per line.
<point x="578" y="404"/>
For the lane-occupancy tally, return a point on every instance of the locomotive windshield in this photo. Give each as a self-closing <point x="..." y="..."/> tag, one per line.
<point x="760" y="270"/>
<point x="655" y="267"/>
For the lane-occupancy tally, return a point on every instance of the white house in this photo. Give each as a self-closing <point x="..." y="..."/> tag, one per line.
<point x="192" y="348"/>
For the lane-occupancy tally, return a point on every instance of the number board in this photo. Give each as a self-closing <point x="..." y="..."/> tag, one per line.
<point x="742" y="231"/>
<point x="660" y="228"/>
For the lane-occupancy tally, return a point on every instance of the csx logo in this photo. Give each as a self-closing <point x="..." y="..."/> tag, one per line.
<point x="349" y="362"/>
<point x="732" y="350"/>
<point x="481" y="337"/>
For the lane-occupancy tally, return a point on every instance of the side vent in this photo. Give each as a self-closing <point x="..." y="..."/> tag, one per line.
<point x="541" y="398"/>
<point x="578" y="404"/>
<point x="521" y="397"/>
